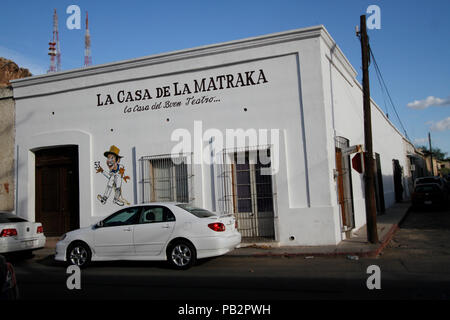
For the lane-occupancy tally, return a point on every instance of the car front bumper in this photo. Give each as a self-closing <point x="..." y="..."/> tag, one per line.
<point x="60" y="250"/>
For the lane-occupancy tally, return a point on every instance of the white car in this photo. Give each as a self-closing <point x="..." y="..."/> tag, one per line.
<point x="17" y="234"/>
<point x="176" y="232"/>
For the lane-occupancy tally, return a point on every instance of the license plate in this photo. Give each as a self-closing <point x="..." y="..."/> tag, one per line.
<point x="428" y="202"/>
<point x="29" y="243"/>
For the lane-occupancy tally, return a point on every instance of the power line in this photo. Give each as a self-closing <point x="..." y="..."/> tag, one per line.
<point x="384" y="94"/>
<point x="380" y="76"/>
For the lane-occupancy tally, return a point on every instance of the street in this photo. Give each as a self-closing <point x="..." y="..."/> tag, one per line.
<point x="415" y="265"/>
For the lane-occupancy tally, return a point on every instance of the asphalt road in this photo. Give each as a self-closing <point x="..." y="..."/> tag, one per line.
<point x="415" y="265"/>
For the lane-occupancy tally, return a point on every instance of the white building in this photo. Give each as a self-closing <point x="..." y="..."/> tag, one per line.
<point x="295" y="87"/>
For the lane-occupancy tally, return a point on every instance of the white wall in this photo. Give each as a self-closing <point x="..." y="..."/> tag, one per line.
<point x="306" y="99"/>
<point x="62" y="109"/>
<point x="344" y="105"/>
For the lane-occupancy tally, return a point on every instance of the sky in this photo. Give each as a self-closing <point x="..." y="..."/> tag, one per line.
<point x="411" y="47"/>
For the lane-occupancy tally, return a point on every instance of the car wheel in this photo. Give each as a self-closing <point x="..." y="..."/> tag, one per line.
<point x="181" y="255"/>
<point x="79" y="254"/>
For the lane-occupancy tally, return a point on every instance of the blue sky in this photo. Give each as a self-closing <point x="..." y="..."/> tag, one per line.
<point x="412" y="47"/>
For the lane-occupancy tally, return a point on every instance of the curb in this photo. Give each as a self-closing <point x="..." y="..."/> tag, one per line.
<point x="391" y="233"/>
<point x="370" y="253"/>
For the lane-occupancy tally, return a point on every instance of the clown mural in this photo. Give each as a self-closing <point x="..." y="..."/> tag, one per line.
<point x="115" y="175"/>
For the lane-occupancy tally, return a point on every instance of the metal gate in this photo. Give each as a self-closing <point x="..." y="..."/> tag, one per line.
<point x="344" y="184"/>
<point x="246" y="191"/>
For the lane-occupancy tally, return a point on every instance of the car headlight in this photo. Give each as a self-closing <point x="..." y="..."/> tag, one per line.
<point x="63" y="237"/>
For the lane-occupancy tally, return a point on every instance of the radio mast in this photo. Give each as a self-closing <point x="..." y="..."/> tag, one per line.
<point x="87" y="45"/>
<point x="54" y="50"/>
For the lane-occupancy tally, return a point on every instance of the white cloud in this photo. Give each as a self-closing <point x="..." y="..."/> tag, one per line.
<point x="442" y="125"/>
<point x="428" y="102"/>
<point x="420" y="141"/>
<point x="22" y="61"/>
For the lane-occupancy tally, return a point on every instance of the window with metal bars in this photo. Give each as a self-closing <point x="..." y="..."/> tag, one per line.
<point x="166" y="178"/>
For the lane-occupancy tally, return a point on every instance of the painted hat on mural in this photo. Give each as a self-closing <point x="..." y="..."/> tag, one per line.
<point x="113" y="150"/>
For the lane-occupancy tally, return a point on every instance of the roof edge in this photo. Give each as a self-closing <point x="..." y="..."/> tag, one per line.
<point x="284" y="36"/>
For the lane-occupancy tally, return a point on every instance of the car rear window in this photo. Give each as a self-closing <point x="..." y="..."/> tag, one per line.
<point x="428" y="180"/>
<point x="198" y="212"/>
<point x="6" y="217"/>
<point x="424" y="189"/>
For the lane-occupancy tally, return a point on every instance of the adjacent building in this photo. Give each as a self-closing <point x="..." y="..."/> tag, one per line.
<point x="7" y="149"/>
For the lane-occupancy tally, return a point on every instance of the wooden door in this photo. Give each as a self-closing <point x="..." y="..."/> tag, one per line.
<point x="340" y="186"/>
<point x="57" y="190"/>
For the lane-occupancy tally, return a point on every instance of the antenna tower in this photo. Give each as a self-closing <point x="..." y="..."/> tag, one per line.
<point x="54" y="49"/>
<point x="87" y="45"/>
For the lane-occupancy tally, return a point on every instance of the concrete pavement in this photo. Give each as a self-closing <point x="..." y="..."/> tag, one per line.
<point x="414" y="265"/>
<point x="357" y="246"/>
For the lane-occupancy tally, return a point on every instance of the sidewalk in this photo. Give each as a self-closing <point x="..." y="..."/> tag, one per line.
<point x="387" y="225"/>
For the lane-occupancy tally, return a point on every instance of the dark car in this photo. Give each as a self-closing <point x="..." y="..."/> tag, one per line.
<point x="428" y="195"/>
<point x="8" y="283"/>
<point x="430" y="179"/>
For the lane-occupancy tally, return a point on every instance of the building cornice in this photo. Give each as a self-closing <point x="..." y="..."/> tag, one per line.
<point x="248" y="43"/>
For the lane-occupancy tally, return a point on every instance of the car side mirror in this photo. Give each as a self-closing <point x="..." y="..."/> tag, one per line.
<point x="99" y="224"/>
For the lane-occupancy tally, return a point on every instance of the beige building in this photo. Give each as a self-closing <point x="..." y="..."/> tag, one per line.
<point x="7" y="115"/>
<point x="443" y="167"/>
<point x="9" y="70"/>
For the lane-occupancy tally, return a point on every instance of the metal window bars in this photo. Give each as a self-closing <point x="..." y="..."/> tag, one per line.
<point x="246" y="191"/>
<point x="166" y="178"/>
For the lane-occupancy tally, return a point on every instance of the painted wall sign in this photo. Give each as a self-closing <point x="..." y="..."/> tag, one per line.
<point x="115" y="175"/>
<point x="176" y="89"/>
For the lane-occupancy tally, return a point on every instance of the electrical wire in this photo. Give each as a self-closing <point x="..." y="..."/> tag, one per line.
<point x="380" y="76"/>
<point x="384" y="94"/>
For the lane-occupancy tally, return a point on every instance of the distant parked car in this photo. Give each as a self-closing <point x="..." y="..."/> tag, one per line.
<point x="18" y="234"/>
<point x="176" y="232"/>
<point x="8" y="283"/>
<point x="432" y="179"/>
<point x="427" y="195"/>
<point x="429" y="179"/>
<point x="447" y="181"/>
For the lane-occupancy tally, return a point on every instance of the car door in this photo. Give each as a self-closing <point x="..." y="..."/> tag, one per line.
<point x="155" y="227"/>
<point x="115" y="236"/>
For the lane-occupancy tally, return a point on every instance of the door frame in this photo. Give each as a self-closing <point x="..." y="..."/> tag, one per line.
<point x="65" y="160"/>
<point x="25" y="171"/>
<point x="252" y="219"/>
<point x="344" y="185"/>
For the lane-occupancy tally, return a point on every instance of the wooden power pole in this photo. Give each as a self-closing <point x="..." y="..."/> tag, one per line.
<point x="431" y="154"/>
<point x="371" y="212"/>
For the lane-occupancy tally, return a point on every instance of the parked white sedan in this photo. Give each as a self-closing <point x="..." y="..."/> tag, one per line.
<point x="17" y="234"/>
<point x="176" y="232"/>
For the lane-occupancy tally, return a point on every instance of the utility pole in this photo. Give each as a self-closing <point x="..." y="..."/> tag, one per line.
<point x="369" y="181"/>
<point x="431" y="154"/>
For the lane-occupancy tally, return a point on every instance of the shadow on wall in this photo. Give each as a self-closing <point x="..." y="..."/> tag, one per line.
<point x="385" y="194"/>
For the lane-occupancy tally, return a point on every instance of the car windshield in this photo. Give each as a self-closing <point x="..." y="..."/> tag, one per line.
<point x="6" y="217"/>
<point x="198" y="212"/>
